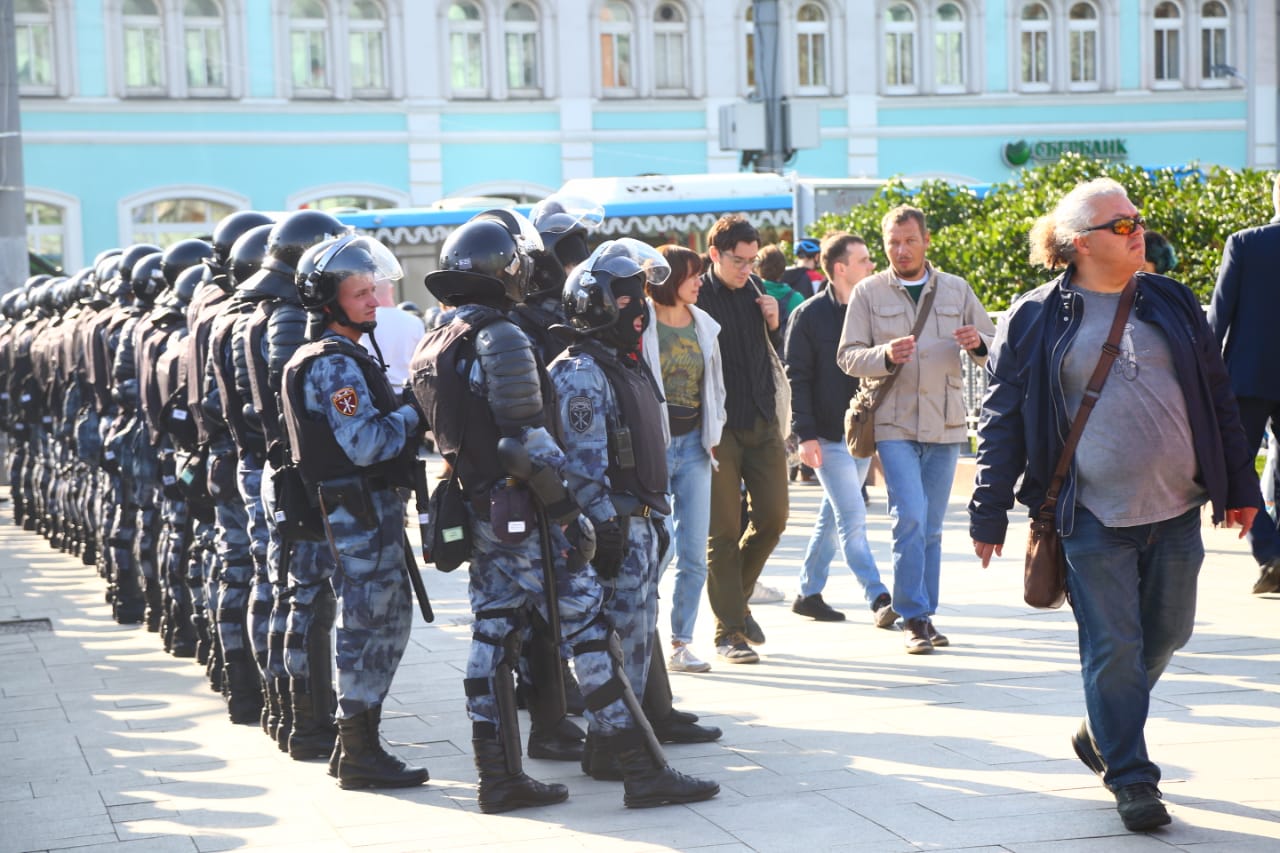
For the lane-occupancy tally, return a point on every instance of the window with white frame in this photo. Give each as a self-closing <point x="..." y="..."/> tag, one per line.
<point x="309" y="48"/>
<point x="1082" y="46"/>
<point x="1167" y="49"/>
<point x="143" y="48"/>
<point x="670" y="54"/>
<point x="46" y="231"/>
<point x="367" y="54"/>
<point x="520" y="34"/>
<point x="204" y="48"/>
<point x="167" y="221"/>
<point x="466" y="49"/>
<point x="748" y="42"/>
<point x="33" y="40"/>
<point x="1215" y="57"/>
<point x="949" y="54"/>
<point x="1034" y="29"/>
<point x="349" y="202"/>
<point x="616" y="34"/>
<point x="900" y="37"/>
<point x="811" y="50"/>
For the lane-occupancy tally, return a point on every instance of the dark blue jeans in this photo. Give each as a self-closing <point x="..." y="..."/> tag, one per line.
<point x="1133" y="590"/>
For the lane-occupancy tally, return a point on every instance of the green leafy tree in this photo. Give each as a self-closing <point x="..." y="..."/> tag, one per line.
<point x="985" y="239"/>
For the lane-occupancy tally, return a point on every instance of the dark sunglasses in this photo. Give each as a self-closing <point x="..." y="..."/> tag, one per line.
<point x="1124" y="226"/>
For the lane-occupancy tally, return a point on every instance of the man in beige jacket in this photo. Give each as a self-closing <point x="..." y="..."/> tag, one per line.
<point x="920" y="426"/>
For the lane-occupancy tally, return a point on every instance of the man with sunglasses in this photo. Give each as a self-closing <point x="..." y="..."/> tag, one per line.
<point x="1242" y="314"/>
<point x="751" y="449"/>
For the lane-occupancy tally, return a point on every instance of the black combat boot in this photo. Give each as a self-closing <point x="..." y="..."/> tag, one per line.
<point x="504" y="786"/>
<point x="669" y="724"/>
<point x="89" y="553"/>
<point x="559" y="741"/>
<point x="128" y="604"/>
<point x="204" y="636"/>
<point x="284" y="726"/>
<point x="214" y="667"/>
<point x="154" y="597"/>
<point x="270" y="717"/>
<point x="183" y="644"/>
<point x="313" y="735"/>
<point x="244" y="705"/>
<point x="364" y="763"/>
<point x="573" y="702"/>
<point x="598" y="761"/>
<point x="648" y="780"/>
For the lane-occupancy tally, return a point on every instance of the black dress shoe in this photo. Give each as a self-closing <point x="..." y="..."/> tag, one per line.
<point x="815" y="608"/>
<point x="1087" y="750"/>
<point x="672" y="730"/>
<point x="1140" y="807"/>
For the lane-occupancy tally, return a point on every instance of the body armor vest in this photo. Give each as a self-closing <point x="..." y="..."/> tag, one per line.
<point x="248" y="441"/>
<point x="315" y="451"/>
<point x="149" y="392"/>
<point x="203" y="311"/>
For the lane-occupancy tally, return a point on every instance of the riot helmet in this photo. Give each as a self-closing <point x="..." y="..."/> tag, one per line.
<point x="563" y="223"/>
<point x="488" y="259"/>
<point x="411" y="308"/>
<point x="124" y="272"/>
<point x="185" y="287"/>
<point x="147" y="280"/>
<point x="296" y="233"/>
<point x="615" y="269"/>
<point x="183" y="254"/>
<point x="104" y="273"/>
<point x="325" y="266"/>
<point x="247" y="254"/>
<point x="228" y="231"/>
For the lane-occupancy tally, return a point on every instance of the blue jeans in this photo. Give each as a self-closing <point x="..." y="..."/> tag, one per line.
<point x="689" y="469"/>
<point x="842" y="519"/>
<point x="917" y="478"/>
<point x="1133" y="590"/>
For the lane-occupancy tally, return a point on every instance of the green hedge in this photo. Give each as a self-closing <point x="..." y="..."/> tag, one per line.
<point x="985" y="239"/>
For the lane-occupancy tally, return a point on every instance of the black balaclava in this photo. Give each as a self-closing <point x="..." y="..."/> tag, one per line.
<point x="623" y="334"/>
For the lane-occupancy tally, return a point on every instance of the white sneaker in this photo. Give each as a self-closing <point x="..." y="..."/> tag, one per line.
<point x="765" y="595"/>
<point x="683" y="660"/>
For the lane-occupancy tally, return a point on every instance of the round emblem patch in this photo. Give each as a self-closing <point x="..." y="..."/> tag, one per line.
<point x="346" y="401"/>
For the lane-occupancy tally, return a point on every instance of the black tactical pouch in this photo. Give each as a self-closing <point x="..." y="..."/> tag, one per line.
<point x="449" y="526"/>
<point x="297" y="513"/>
<point x="352" y="494"/>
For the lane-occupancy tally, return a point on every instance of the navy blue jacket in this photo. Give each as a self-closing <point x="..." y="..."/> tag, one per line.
<point x="1244" y="310"/>
<point x="820" y="390"/>
<point x="1024" y="414"/>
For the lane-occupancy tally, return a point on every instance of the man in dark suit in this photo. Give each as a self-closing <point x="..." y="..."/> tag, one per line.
<point x="1242" y="313"/>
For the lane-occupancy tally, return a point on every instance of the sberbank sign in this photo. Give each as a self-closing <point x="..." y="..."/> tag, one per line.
<point x="1022" y="152"/>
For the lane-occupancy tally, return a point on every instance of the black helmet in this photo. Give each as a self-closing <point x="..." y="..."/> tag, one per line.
<point x="588" y="297"/>
<point x="124" y="272"/>
<point x="563" y="222"/>
<point x="489" y="259"/>
<point x="325" y="266"/>
<point x="104" y="273"/>
<point x="248" y="253"/>
<point x="183" y="254"/>
<point x="296" y="233"/>
<point x="185" y="287"/>
<point x="147" y="278"/>
<point x="80" y="285"/>
<point x="230" y="228"/>
<point x="411" y="308"/>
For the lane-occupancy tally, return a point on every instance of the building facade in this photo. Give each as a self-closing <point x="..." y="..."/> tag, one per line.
<point x="150" y="119"/>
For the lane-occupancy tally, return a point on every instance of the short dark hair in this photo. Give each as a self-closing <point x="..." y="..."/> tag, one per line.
<point x="1160" y="251"/>
<point x="901" y="214"/>
<point x="684" y="263"/>
<point x="771" y="263"/>
<point x="835" y="246"/>
<point x="729" y="231"/>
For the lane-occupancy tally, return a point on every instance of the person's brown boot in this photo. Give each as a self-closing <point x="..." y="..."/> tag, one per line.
<point x="916" y="633"/>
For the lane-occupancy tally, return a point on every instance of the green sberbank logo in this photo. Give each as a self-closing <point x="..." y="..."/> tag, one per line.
<point x="1020" y="153"/>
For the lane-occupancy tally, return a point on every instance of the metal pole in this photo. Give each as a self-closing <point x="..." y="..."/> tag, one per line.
<point x="13" y="218"/>
<point x="768" y="85"/>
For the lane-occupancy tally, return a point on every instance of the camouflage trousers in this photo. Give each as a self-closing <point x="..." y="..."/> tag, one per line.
<point x="506" y="580"/>
<point x="249" y="478"/>
<point x="631" y="599"/>
<point x="231" y="535"/>
<point x="374" y="610"/>
<point x="271" y="592"/>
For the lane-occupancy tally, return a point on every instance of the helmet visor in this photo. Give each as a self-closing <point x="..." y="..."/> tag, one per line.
<point x="627" y="256"/>
<point x="557" y="214"/>
<point x="359" y="255"/>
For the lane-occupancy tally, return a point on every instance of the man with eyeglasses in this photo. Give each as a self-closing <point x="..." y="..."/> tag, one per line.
<point x="751" y="449"/>
<point x="921" y="424"/>
<point x="1242" y="314"/>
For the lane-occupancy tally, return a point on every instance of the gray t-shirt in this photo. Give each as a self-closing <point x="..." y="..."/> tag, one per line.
<point x="1136" y="463"/>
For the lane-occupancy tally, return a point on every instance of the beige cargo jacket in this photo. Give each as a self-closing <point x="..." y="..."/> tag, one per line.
<point x="925" y="403"/>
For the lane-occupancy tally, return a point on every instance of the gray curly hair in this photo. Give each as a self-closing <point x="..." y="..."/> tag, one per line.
<point x="1052" y="237"/>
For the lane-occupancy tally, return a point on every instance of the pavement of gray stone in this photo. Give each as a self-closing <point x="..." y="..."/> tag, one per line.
<point x="836" y="740"/>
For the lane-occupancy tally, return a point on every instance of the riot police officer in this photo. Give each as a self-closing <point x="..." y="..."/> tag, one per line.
<point x="353" y="441"/>
<point x="476" y="376"/>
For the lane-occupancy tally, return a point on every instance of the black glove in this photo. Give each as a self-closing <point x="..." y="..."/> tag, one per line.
<point x="664" y="538"/>
<point x="408" y="398"/>
<point x="610" y="544"/>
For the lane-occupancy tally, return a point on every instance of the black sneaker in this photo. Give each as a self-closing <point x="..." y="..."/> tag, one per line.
<point x="815" y="608"/>
<point x="752" y="631"/>
<point x="1140" y="807"/>
<point x="734" y="649"/>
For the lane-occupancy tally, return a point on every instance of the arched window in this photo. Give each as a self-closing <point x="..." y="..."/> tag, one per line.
<point x="367" y="37"/>
<point x="949" y="48"/>
<point x="811" y="49"/>
<point x="466" y="49"/>
<point x="1215" y="58"/>
<point x="900" y="33"/>
<point x="670" y="57"/>
<point x="143" y="48"/>
<point x="1082" y="45"/>
<point x="46" y="231"/>
<point x="520" y="32"/>
<point x="349" y="202"/>
<point x="308" y="47"/>
<point x="616" y="24"/>
<point x="1167" y="68"/>
<point x="33" y="38"/>
<point x="204" y="48"/>
<point x="167" y="221"/>
<point x="748" y="41"/>
<point x="1034" y="27"/>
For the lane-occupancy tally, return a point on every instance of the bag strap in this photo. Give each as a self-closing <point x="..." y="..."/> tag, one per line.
<point x="882" y="390"/>
<point x="1110" y="350"/>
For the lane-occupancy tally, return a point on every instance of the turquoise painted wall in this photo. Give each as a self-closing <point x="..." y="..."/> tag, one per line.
<point x="629" y="158"/>
<point x="1128" y="109"/>
<point x="828" y="161"/>
<point x="464" y="165"/>
<point x="260" y="45"/>
<point x="1130" y="52"/>
<point x="291" y="120"/>
<point x="996" y="41"/>
<point x="90" y="49"/>
<point x="513" y="122"/>
<point x="640" y="120"/>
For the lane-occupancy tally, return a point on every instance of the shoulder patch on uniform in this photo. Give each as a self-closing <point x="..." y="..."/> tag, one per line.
<point x="580" y="413"/>
<point x="346" y="401"/>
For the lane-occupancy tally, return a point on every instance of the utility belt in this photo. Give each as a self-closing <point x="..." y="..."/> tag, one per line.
<point x="630" y="505"/>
